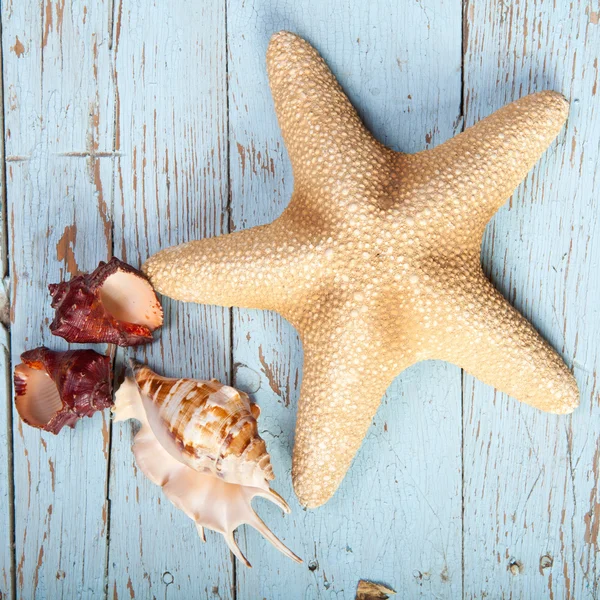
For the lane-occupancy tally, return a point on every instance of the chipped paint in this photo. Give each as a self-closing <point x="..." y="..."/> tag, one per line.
<point x="65" y="249"/>
<point x="18" y="47"/>
<point x="523" y="494"/>
<point x="270" y="374"/>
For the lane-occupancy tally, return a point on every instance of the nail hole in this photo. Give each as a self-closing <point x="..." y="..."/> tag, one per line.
<point x="515" y="566"/>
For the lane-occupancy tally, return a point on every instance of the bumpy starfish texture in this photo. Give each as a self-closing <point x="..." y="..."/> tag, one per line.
<point x="376" y="261"/>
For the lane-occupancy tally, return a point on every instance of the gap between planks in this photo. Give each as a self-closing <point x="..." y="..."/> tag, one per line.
<point x="229" y="229"/>
<point x="113" y="349"/>
<point x="462" y="117"/>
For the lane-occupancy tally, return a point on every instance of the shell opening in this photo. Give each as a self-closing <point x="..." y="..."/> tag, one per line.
<point x="129" y="298"/>
<point x="115" y="304"/>
<point x="39" y="400"/>
<point x="56" y="389"/>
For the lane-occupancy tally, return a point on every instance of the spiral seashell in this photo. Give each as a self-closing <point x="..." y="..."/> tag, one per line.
<point x="54" y="389"/>
<point x="114" y="304"/>
<point x="199" y="441"/>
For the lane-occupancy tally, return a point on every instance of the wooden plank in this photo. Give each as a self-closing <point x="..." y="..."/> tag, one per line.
<point x="4" y="294"/>
<point x="60" y="495"/>
<point x="6" y="491"/>
<point x="397" y="516"/>
<point x="531" y="479"/>
<point x="58" y="106"/>
<point x="171" y="187"/>
<point x="6" y="474"/>
<point x="532" y="509"/>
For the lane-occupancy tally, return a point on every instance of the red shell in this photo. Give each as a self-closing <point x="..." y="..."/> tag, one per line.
<point x="115" y="304"/>
<point x="54" y="389"/>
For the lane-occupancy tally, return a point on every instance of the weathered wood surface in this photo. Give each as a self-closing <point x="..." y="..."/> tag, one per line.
<point x="57" y="119"/>
<point x="170" y="187"/>
<point x="6" y="472"/>
<point x="531" y="479"/>
<point x="130" y="126"/>
<point x="397" y="516"/>
<point x="6" y="501"/>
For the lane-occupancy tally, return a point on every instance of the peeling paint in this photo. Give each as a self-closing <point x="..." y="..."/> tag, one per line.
<point x="18" y="48"/>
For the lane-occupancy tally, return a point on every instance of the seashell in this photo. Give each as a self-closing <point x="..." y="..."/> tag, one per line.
<point x="199" y="441"/>
<point x="54" y="389"/>
<point x="115" y="304"/>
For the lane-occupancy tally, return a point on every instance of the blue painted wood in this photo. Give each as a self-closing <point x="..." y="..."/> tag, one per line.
<point x="117" y="134"/>
<point x="531" y="480"/>
<point x="170" y="187"/>
<point x="6" y="492"/>
<point x="397" y="515"/>
<point x="6" y="474"/>
<point x="56" y="121"/>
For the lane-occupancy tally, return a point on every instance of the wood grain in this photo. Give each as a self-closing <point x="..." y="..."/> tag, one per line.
<point x="531" y="479"/>
<point x="397" y="516"/>
<point x="170" y="187"/>
<point x="6" y="491"/>
<point x="131" y="126"/>
<point x="6" y="472"/>
<point x="56" y="68"/>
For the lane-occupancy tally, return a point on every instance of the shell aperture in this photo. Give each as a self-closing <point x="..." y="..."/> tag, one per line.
<point x="115" y="304"/>
<point x="56" y="389"/>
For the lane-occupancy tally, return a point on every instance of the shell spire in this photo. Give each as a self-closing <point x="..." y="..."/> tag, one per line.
<point x="213" y="426"/>
<point x="199" y="441"/>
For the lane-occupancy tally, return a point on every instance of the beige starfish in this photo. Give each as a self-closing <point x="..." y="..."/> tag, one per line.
<point x="376" y="261"/>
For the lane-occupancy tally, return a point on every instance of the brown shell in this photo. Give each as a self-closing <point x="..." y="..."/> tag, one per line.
<point x="115" y="304"/>
<point x="213" y="425"/>
<point x="54" y="389"/>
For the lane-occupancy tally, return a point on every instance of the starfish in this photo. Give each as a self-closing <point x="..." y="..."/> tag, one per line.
<point x="376" y="261"/>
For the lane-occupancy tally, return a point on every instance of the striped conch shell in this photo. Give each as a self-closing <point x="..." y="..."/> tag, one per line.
<point x="199" y="441"/>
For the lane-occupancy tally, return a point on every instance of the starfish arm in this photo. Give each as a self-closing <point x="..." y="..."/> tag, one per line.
<point x="322" y="132"/>
<point x="483" y="165"/>
<point x="345" y="374"/>
<point x="249" y="268"/>
<point x="488" y="338"/>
